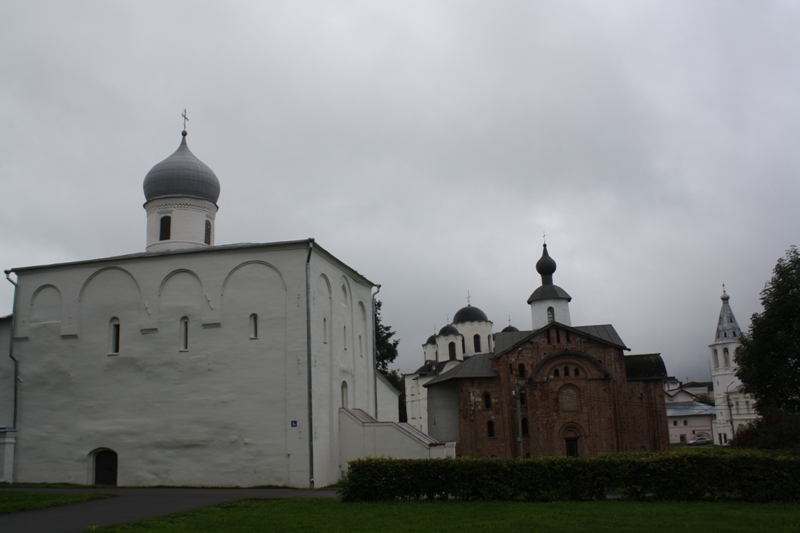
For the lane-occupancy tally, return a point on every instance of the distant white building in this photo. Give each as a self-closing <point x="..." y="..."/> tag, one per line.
<point x="193" y="363"/>
<point x="469" y="334"/>
<point x="687" y="416"/>
<point x="734" y="408"/>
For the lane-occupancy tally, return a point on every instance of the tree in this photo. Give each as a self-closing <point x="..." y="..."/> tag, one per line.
<point x="386" y="348"/>
<point x="769" y="356"/>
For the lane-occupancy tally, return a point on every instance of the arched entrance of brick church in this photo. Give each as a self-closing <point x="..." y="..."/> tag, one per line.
<point x="105" y="467"/>
<point x="571" y="435"/>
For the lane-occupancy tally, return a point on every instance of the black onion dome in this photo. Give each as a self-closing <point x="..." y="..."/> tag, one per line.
<point x="431" y="340"/>
<point x="546" y="266"/>
<point x="181" y="174"/>
<point x="448" y="330"/>
<point x="509" y="328"/>
<point x="469" y="314"/>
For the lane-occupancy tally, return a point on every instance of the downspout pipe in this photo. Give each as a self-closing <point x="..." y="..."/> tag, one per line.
<point x="375" y="348"/>
<point x="11" y="346"/>
<point x="308" y="367"/>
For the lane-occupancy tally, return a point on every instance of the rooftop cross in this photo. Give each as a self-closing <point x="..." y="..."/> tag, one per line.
<point x="185" y="119"/>
<point x="468" y="298"/>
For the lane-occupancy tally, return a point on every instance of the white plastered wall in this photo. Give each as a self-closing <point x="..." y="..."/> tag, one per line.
<point x="188" y="223"/>
<point x="229" y="410"/>
<point x="539" y="317"/>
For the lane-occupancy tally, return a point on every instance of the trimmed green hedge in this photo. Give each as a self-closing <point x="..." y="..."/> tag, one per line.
<point x="724" y="475"/>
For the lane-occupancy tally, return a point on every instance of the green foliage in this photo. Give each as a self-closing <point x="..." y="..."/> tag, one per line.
<point x="14" y="501"/>
<point x="775" y="430"/>
<point x="385" y="345"/>
<point x="333" y="516"/>
<point x="769" y="357"/>
<point x="722" y="475"/>
<point x="386" y="348"/>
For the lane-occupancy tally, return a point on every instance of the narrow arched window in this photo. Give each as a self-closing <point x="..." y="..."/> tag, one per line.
<point x="487" y="401"/>
<point x="254" y="326"/>
<point x="577" y="371"/>
<point x="726" y="357"/>
<point x="165" y="228"/>
<point x="556" y="373"/>
<point x="463" y="345"/>
<point x="360" y="346"/>
<point x="452" y="348"/>
<point x="490" y="428"/>
<point x="344" y="333"/>
<point x="551" y="314"/>
<point x="113" y="336"/>
<point x="715" y="359"/>
<point x="208" y="232"/>
<point x="345" y="396"/>
<point x="477" y="342"/>
<point x="523" y="397"/>
<point x="184" y="334"/>
<point x="566" y="371"/>
<point x="524" y="427"/>
<point x="521" y="370"/>
<point x="325" y="330"/>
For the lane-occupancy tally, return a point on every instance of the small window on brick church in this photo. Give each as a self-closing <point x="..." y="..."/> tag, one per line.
<point x="522" y="370"/>
<point x="685" y="423"/>
<point x="490" y="428"/>
<point x="556" y="373"/>
<point x="523" y="397"/>
<point x="566" y="371"/>
<point x="551" y="314"/>
<point x="674" y="422"/>
<point x="577" y="371"/>
<point x="165" y="228"/>
<point x="487" y="401"/>
<point x="524" y="427"/>
<point x="208" y="232"/>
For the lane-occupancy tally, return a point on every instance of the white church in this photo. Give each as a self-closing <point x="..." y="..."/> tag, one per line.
<point x="194" y="363"/>
<point x="734" y="407"/>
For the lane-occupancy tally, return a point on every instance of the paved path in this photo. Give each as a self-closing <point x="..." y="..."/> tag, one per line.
<point x="132" y="505"/>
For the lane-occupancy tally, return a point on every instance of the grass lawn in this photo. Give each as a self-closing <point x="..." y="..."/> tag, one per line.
<point x="462" y="517"/>
<point x="13" y="501"/>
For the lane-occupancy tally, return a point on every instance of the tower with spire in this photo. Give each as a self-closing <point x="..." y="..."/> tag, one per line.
<point x="549" y="303"/>
<point x="733" y="407"/>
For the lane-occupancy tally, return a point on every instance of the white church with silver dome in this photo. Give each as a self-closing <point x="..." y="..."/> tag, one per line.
<point x="194" y="363"/>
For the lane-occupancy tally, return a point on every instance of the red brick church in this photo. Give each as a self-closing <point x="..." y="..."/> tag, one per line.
<point x="557" y="389"/>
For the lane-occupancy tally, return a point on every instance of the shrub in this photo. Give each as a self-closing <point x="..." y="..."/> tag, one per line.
<point x="723" y="475"/>
<point x="774" y="430"/>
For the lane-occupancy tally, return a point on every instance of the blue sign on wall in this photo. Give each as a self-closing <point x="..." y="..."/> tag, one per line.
<point x="294" y="423"/>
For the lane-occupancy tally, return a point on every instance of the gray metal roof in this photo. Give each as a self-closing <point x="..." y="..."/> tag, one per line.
<point x="181" y="175"/>
<point x="689" y="409"/>
<point x="477" y="366"/>
<point x="645" y="366"/>
<point x="727" y="328"/>
<point x="606" y="333"/>
<point x="469" y="314"/>
<point x="205" y="250"/>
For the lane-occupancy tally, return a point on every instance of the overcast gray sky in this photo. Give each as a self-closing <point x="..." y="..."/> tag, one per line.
<point x="428" y="145"/>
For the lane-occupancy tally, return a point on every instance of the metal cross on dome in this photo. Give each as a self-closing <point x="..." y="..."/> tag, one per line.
<point x="185" y="119"/>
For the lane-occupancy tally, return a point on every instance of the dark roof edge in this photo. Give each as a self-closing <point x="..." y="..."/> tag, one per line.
<point x="571" y="328"/>
<point x="205" y="249"/>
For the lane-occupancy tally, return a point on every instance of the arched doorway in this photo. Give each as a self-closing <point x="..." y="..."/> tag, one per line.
<point x="105" y="468"/>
